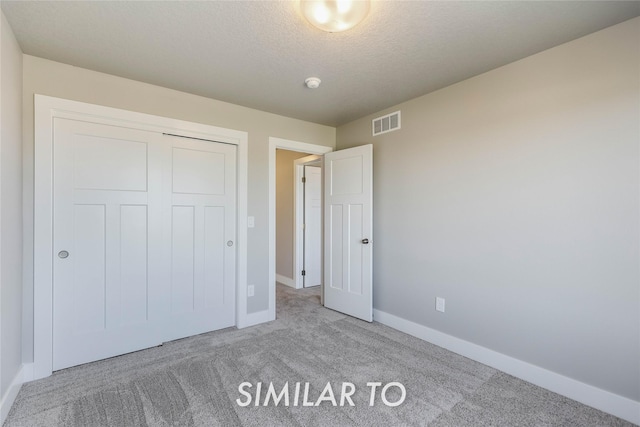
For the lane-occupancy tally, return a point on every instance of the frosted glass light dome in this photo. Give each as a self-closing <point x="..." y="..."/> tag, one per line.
<point x="334" y="15"/>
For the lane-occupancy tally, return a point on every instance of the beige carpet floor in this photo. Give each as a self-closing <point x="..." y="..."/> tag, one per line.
<point x="195" y="381"/>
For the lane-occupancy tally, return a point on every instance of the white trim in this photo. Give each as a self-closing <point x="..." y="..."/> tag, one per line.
<point x="46" y="109"/>
<point x="27" y="372"/>
<point x="298" y="215"/>
<point x="11" y="394"/>
<point x="286" y="281"/>
<point x="252" y="319"/>
<point x="285" y="144"/>
<point x="603" y="400"/>
<point x="298" y="224"/>
<point x="242" y="254"/>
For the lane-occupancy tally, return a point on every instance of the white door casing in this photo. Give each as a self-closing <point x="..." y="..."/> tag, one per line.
<point x="49" y="108"/>
<point x="348" y="184"/>
<point x="312" y="226"/>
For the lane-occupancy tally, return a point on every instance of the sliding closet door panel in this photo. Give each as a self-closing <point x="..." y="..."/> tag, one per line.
<point x="201" y="210"/>
<point x="102" y="251"/>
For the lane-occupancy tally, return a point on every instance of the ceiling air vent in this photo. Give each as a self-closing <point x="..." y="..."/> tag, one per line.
<point x="386" y="123"/>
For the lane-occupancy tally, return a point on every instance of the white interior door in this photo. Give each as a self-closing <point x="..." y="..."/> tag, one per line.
<point x="348" y="186"/>
<point x="140" y="226"/>
<point x="312" y="226"/>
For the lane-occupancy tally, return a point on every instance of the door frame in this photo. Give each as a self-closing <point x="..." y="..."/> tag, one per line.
<point x="46" y="109"/>
<point x="284" y="144"/>
<point x="298" y="215"/>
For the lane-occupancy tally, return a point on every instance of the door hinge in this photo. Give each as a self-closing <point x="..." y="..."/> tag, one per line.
<point x="304" y="273"/>
<point x="304" y="179"/>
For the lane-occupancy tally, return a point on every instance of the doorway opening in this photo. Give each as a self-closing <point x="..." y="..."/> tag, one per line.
<point x="298" y="219"/>
<point x="289" y="269"/>
<point x="348" y="216"/>
<point x="298" y="150"/>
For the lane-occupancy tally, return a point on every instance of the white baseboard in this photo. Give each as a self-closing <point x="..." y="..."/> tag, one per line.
<point x="252" y="319"/>
<point x="27" y="372"/>
<point x="286" y="280"/>
<point x="11" y="394"/>
<point x="603" y="400"/>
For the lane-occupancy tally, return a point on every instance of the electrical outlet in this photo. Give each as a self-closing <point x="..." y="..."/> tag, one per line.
<point x="440" y="304"/>
<point x="251" y="221"/>
<point x="251" y="290"/>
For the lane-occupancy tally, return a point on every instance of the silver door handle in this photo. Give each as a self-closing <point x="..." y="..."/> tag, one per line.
<point x="63" y="254"/>
<point x="365" y="241"/>
<point x="230" y="243"/>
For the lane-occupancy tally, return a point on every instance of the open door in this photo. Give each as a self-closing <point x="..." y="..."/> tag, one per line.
<point x="312" y="229"/>
<point x="348" y="179"/>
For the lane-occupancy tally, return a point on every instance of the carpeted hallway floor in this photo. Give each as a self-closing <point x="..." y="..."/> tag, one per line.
<point x="194" y="381"/>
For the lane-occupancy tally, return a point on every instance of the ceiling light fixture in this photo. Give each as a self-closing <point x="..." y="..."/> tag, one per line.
<point x="312" y="82"/>
<point x="334" y="15"/>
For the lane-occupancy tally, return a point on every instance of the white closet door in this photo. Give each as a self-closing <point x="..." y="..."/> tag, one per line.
<point x="200" y="225"/>
<point x="144" y="239"/>
<point x="107" y="231"/>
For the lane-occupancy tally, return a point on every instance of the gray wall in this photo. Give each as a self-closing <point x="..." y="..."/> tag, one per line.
<point x="46" y="77"/>
<point x="10" y="207"/>
<point x="285" y="228"/>
<point x="515" y="196"/>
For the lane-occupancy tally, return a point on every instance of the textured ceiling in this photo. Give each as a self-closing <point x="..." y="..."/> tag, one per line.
<point x="258" y="54"/>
